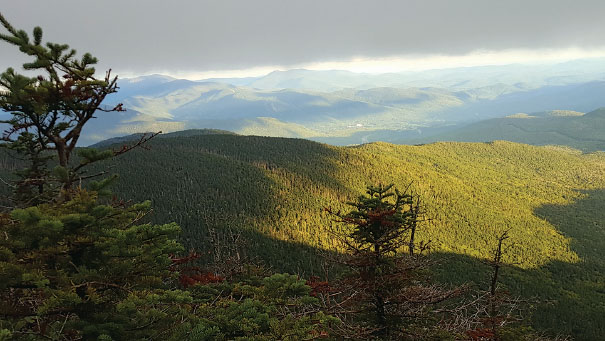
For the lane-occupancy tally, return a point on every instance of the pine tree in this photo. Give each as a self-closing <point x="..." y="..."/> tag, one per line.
<point x="389" y="285"/>
<point x="48" y="112"/>
<point x="73" y="266"/>
<point x="84" y="269"/>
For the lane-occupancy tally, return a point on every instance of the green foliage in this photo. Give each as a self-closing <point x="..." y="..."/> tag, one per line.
<point x="249" y="181"/>
<point x="89" y="269"/>
<point x="5" y="335"/>
<point x="380" y="225"/>
<point x="84" y="268"/>
<point x="31" y="186"/>
<point x="278" y="307"/>
<point x="80" y="268"/>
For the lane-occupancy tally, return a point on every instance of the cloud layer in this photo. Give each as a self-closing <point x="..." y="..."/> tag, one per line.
<point x="145" y="36"/>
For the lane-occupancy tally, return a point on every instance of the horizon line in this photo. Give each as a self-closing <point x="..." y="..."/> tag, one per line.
<point x="394" y="64"/>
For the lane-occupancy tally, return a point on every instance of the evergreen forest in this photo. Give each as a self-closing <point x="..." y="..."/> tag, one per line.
<point x="271" y="193"/>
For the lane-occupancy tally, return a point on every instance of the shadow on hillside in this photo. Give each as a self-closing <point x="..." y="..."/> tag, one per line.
<point x="304" y="158"/>
<point x="583" y="222"/>
<point x="213" y="183"/>
<point x="572" y="294"/>
<point x="289" y="256"/>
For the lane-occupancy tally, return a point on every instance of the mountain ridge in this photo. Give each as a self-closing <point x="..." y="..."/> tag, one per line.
<point x="570" y="128"/>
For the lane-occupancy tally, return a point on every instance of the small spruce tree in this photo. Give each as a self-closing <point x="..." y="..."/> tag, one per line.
<point x="389" y="287"/>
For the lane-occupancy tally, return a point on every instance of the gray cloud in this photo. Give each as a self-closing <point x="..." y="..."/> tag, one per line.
<point x="141" y="36"/>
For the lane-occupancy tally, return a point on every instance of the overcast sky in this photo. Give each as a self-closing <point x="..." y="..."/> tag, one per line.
<point x="180" y="37"/>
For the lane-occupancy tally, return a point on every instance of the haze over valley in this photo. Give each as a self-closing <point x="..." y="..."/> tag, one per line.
<point x="342" y="107"/>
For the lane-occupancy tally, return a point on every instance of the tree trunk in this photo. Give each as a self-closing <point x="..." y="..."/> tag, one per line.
<point x="411" y="245"/>
<point x="381" y="319"/>
<point x="63" y="153"/>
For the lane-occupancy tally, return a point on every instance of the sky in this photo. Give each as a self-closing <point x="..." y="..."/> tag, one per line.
<point x="227" y="38"/>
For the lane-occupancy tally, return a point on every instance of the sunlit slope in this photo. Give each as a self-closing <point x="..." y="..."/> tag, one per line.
<point x="585" y="132"/>
<point x="279" y="188"/>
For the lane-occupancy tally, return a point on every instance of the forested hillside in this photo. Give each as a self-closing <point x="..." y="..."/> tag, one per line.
<point x="264" y="199"/>
<point x="569" y="128"/>
<point x="275" y="191"/>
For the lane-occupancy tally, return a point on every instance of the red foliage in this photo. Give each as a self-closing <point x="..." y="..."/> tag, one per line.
<point x="192" y="275"/>
<point x="481" y="334"/>
<point x="201" y="278"/>
<point x="183" y="260"/>
<point x="319" y="287"/>
<point x="320" y="334"/>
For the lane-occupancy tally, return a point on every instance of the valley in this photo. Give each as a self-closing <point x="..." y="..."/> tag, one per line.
<point x="346" y="108"/>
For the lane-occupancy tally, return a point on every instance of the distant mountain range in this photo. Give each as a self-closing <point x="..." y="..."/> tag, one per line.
<point x="342" y="107"/>
<point x="461" y="78"/>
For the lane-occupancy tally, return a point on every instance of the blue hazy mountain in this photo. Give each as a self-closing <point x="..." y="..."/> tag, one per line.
<point x="343" y="107"/>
